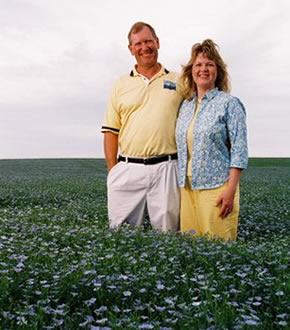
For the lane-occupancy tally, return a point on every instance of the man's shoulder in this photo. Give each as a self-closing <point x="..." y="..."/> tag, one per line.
<point x="124" y="77"/>
<point x="172" y="75"/>
<point x="121" y="81"/>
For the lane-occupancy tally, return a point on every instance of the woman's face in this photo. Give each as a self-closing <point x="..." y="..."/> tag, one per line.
<point x="204" y="72"/>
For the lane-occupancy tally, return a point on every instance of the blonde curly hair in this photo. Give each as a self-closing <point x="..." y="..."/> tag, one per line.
<point x="210" y="50"/>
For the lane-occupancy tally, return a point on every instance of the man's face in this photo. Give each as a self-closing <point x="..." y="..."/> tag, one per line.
<point x="144" y="47"/>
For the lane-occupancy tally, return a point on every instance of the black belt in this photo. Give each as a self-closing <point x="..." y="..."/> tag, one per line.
<point x="147" y="161"/>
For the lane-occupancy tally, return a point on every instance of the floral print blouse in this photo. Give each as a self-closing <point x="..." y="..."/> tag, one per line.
<point x="219" y="139"/>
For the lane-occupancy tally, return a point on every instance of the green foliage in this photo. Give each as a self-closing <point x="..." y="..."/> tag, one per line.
<point x="61" y="267"/>
<point x="269" y="162"/>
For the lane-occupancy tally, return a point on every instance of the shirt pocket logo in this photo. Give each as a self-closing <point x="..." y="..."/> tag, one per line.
<point x="169" y="85"/>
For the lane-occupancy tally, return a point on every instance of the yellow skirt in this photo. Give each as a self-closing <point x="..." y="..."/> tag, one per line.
<point x="199" y="213"/>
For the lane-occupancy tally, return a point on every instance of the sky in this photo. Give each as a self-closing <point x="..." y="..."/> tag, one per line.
<point x="59" y="59"/>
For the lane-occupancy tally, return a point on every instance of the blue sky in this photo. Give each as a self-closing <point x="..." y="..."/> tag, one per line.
<point x="59" y="59"/>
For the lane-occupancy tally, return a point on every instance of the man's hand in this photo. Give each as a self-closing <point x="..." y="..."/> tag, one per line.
<point x="110" y="166"/>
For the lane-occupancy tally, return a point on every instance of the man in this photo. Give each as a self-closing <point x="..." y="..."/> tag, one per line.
<point x="140" y="121"/>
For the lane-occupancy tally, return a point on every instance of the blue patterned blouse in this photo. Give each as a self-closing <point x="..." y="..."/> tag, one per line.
<point x="219" y="139"/>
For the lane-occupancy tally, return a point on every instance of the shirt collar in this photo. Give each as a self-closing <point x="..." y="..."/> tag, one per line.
<point x="160" y="73"/>
<point x="209" y="95"/>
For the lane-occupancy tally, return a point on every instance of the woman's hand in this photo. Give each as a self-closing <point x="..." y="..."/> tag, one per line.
<point x="226" y="202"/>
<point x="226" y="199"/>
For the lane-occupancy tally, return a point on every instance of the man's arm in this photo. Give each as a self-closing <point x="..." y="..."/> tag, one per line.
<point x="110" y="149"/>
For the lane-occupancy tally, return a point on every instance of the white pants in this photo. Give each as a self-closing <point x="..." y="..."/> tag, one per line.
<point x="133" y="188"/>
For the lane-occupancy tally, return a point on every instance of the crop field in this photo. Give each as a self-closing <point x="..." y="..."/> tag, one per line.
<point x="61" y="267"/>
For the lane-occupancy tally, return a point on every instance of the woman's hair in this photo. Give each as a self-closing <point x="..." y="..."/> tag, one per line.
<point x="210" y="50"/>
<point x="137" y="27"/>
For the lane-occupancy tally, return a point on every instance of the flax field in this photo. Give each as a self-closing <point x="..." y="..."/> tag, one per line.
<point x="61" y="267"/>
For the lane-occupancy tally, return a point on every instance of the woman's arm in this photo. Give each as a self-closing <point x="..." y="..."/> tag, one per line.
<point x="226" y="200"/>
<point x="237" y="130"/>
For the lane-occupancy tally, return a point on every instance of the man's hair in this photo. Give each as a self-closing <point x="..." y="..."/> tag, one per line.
<point x="210" y="50"/>
<point x="137" y="27"/>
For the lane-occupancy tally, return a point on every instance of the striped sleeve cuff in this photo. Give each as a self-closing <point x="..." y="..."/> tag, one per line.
<point x="109" y="129"/>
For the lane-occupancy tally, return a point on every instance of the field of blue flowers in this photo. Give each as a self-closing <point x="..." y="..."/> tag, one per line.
<point x="62" y="268"/>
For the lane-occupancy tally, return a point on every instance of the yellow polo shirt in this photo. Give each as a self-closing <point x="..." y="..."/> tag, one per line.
<point x="143" y="113"/>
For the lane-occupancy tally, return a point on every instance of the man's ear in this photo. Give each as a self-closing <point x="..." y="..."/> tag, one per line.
<point x="158" y="43"/>
<point x="131" y="50"/>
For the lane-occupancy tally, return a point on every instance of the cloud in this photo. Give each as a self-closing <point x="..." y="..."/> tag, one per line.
<point x="59" y="59"/>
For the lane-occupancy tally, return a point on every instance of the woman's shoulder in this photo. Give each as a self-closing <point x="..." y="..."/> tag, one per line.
<point x="231" y="103"/>
<point x="229" y="98"/>
<point x="225" y="96"/>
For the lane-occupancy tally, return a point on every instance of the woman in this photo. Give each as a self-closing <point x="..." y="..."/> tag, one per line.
<point x="211" y="137"/>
